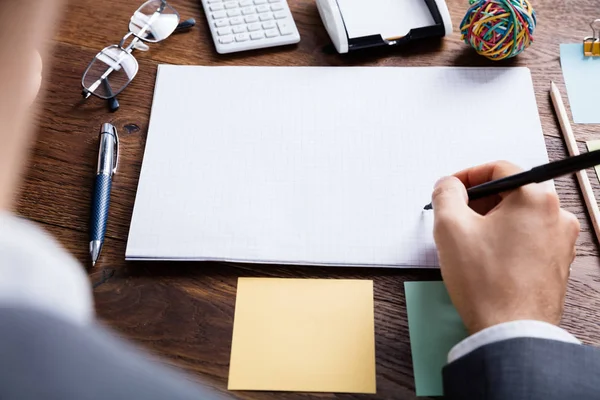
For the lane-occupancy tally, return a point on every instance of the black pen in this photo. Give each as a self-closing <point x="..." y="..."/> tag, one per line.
<point x="539" y="174"/>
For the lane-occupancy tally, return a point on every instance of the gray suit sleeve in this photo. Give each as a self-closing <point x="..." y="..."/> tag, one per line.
<point x="45" y="357"/>
<point x="525" y="368"/>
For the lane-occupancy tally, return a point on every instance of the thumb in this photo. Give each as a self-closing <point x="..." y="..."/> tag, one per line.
<point x="449" y="197"/>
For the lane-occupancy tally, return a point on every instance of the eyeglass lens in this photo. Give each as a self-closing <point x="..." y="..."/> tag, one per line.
<point x="110" y="72"/>
<point x="154" y="21"/>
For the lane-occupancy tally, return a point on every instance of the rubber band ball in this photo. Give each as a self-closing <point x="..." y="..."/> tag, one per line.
<point x="499" y="29"/>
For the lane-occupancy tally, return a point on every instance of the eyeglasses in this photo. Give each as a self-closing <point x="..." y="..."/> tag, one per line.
<point x="114" y="68"/>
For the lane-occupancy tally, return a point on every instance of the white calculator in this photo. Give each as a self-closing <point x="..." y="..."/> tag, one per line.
<point x="239" y="25"/>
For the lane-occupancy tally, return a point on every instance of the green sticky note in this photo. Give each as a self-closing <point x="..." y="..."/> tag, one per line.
<point x="435" y="327"/>
<point x="594" y="145"/>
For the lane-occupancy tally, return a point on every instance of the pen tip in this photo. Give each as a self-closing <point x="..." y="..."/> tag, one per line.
<point x="95" y="247"/>
<point x="428" y="207"/>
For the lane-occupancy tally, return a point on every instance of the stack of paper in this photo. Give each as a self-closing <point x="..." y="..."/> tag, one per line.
<point x="328" y="166"/>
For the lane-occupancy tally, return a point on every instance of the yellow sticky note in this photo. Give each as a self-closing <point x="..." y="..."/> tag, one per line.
<point x="308" y="335"/>
<point x="594" y="145"/>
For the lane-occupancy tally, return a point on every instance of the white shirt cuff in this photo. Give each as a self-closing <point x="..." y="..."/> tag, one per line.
<point x="510" y="330"/>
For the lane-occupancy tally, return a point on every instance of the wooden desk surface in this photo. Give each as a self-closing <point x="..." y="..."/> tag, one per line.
<point x="184" y="311"/>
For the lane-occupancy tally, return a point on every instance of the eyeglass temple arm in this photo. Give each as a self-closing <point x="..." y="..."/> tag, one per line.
<point x="87" y="93"/>
<point x="185" y="25"/>
<point x="107" y="87"/>
<point x="113" y="103"/>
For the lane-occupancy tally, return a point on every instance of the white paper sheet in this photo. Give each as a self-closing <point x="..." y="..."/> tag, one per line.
<point x="388" y="18"/>
<point x="318" y="165"/>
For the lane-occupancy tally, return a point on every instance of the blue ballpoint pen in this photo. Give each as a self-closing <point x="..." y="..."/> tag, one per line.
<point x="108" y="160"/>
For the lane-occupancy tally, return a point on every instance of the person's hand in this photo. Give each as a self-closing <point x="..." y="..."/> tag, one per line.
<point x="36" y="76"/>
<point x="503" y="258"/>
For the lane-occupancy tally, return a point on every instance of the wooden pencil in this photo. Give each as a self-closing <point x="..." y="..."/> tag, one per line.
<point x="582" y="177"/>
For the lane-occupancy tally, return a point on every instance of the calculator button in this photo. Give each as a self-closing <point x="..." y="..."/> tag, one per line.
<point x="269" y="25"/>
<point x="221" y="22"/>
<point x="223" y="31"/>
<point x="257" y="2"/>
<point x="242" y="37"/>
<point x="246" y="3"/>
<point x="239" y="29"/>
<point x="265" y="16"/>
<point x="274" y="1"/>
<point x="236" y="21"/>
<point x="262" y="9"/>
<point x="271" y="33"/>
<point x="226" y="39"/>
<point x="257" y="35"/>
<point x="276" y="7"/>
<point x="216" y="7"/>
<point x="213" y="1"/>
<point x="254" y="27"/>
<point x="231" y="4"/>
<point x="251" y="18"/>
<point x="285" y="28"/>
<point x="248" y="10"/>
<point x="233" y="13"/>
<point x="280" y="14"/>
<point x="219" y="15"/>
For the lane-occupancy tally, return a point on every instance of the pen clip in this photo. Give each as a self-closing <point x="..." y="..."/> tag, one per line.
<point x="116" y="152"/>
<point x="111" y="130"/>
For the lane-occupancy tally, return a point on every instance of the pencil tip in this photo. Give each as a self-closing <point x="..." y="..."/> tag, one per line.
<point x="428" y="207"/>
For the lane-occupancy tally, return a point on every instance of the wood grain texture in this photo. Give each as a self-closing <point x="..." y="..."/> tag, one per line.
<point x="184" y="311"/>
